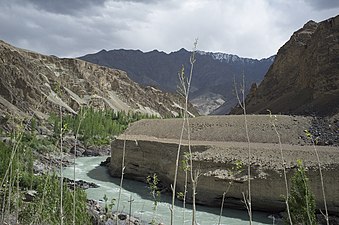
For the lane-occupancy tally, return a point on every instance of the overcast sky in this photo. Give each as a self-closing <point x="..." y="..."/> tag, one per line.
<point x="70" y="28"/>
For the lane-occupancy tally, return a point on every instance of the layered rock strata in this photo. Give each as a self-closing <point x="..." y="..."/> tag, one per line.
<point x="218" y="145"/>
<point x="32" y="82"/>
<point x="304" y="78"/>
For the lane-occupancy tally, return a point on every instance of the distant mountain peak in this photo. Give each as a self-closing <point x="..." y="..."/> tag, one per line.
<point x="212" y="83"/>
<point x="182" y="50"/>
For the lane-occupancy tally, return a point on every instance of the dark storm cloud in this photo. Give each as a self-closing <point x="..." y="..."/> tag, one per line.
<point x="323" y="4"/>
<point x="139" y="1"/>
<point x="68" y="28"/>
<point x="55" y="33"/>
<point x="63" y="6"/>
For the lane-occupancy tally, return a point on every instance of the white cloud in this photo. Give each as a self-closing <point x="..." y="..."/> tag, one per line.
<point x="248" y="28"/>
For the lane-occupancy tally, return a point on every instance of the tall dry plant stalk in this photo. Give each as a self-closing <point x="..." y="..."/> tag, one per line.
<point x="184" y="89"/>
<point x="173" y="187"/>
<point x="242" y="104"/>
<point x="17" y="196"/>
<point x="222" y="206"/>
<point x="61" y="167"/>
<point x="17" y="139"/>
<point x="122" y="172"/>
<point x="195" y="176"/>
<point x="194" y="179"/>
<point x="38" y="212"/>
<point x="10" y="189"/>
<point x="186" y="169"/>
<point x="233" y="172"/>
<point x="74" y="158"/>
<point x="273" y="119"/>
<point x="314" y="142"/>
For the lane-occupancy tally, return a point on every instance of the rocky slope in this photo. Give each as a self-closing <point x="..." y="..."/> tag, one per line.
<point x="212" y="83"/>
<point x="31" y="82"/>
<point x="304" y="78"/>
<point x="218" y="142"/>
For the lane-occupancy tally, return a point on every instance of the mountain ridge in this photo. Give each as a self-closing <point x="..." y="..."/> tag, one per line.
<point x="201" y="52"/>
<point x="213" y="75"/>
<point x="32" y="82"/>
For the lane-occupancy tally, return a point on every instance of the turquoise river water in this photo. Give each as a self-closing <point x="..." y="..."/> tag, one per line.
<point x="88" y="169"/>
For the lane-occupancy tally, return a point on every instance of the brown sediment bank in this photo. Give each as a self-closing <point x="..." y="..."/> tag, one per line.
<point x="218" y="142"/>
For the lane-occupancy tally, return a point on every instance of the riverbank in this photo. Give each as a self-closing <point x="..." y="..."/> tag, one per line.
<point x="142" y="207"/>
<point x="218" y="143"/>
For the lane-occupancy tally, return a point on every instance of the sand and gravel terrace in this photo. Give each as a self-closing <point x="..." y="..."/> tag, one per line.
<point x="225" y="139"/>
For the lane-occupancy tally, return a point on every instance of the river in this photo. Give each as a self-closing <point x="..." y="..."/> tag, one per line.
<point x="88" y="169"/>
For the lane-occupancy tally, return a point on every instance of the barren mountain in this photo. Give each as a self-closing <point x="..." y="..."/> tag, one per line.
<point x="213" y="74"/>
<point x="304" y="78"/>
<point x="31" y="82"/>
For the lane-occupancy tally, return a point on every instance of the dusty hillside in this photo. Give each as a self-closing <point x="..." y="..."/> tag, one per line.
<point x="304" y="78"/>
<point x="31" y="82"/>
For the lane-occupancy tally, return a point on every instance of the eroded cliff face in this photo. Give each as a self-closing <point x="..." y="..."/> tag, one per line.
<point x="149" y="151"/>
<point x="304" y="78"/>
<point x="31" y="82"/>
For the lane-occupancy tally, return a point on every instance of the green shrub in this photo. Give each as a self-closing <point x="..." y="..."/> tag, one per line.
<point x="45" y="209"/>
<point x="97" y="127"/>
<point x="301" y="200"/>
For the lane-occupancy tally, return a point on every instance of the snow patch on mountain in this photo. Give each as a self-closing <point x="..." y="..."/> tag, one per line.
<point x="229" y="58"/>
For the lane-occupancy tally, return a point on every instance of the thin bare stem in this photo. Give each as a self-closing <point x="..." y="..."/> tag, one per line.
<point x="38" y="212"/>
<point x="321" y="180"/>
<point x="61" y="168"/>
<point x="194" y="179"/>
<point x="307" y="194"/>
<point x="221" y="207"/>
<point x="185" y="84"/>
<point x="176" y="169"/>
<point x="223" y="201"/>
<point x="10" y="189"/>
<point x="16" y="144"/>
<point x="283" y="164"/>
<point x="242" y="104"/>
<point x="18" y="195"/>
<point x="185" y="191"/>
<point x="131" y="200"/>
<point x="14" y="150"/>
<point x="17" y="140"/>
<point x="74" y="158"/>
<point x="122" y="172"/>
<point x="3" y="205"/>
